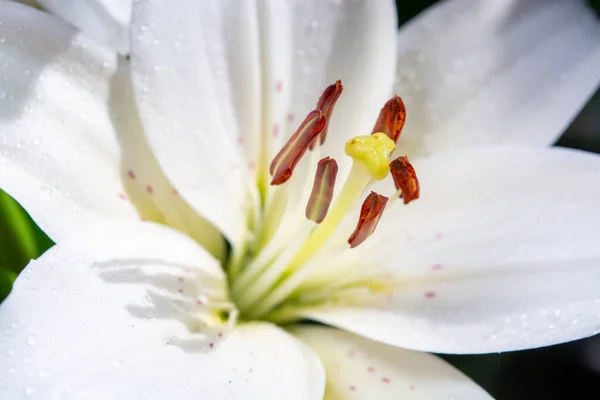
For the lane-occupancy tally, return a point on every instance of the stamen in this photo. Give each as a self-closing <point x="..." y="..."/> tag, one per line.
<point x="391" y="118"/>
<point x="373" y="151"/>
<point x="325" y="105"/>
<point x="322" y="191"/>
<point x="370" y="213"/>
<point x="405" y="179"/>
<point x="284" y="162"/>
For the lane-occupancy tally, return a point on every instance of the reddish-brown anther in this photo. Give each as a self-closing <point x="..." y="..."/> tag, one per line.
<point x="285" y="161"/>
<point x="322" y="191"/>
<point x="405" y="179"/>
<point x="370" y="213"/>
<point x="325" y="104"/>
<point x="391" y="118"/>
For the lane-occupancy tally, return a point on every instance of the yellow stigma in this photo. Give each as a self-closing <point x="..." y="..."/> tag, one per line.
<point x="374" y="151"/>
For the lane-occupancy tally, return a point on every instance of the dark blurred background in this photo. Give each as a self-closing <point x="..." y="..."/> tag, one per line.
<point x="567" y="371"/>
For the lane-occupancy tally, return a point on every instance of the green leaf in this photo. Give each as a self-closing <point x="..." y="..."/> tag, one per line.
<point x="7" y="278"/>
<point x="18" y="242"/>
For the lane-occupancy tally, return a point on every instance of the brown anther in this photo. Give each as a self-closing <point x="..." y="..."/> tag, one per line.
<point x="284" y="162"/>
<point x="405" y="179"/>
<point x="370" y="213"/>
<point x="391" y="118"/>
<point x="322" y="191"/>
<point x="325" y="104"/>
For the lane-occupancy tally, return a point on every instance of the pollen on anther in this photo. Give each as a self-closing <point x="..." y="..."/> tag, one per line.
<point x="370" y="214"/>
<point x="322" y="190"/>
<point x="325" y="104"/>
<point x="289" y="156"/>
<point x="405" y="179"/>
<point x="391" y="118"/>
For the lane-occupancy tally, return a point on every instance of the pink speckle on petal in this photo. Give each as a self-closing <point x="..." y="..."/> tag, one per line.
<point x="351" y="354"/>
<point x="290" y="117"/>
<point x="240" y="139"/>
<point x="437" y="267"/>
<point x="371" y="369"/>
<point x="275" y="130"/>
<point x="353" y="388"/>
<point x="211" y="345"/>
<point x="122" y="196"/>
<point x="430" y="295"/>
<point x="199" y="302"/>
<point x="278" y="86"/>
<point x="131" y="174"/>
<point x="180" y="279"/>
<point x="252" y="166"/>
<point x="439" y="236"/>
<point x="149" y="189"/>
<point x="175" y="192"/>
<point x="180" y="291"/>
<point x="220" y="334"/>
<point x="412" y="387"/>
<point x="385" y="380"/>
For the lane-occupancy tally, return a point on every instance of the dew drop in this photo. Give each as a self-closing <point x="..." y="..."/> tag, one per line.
<point x="44" y="193"/>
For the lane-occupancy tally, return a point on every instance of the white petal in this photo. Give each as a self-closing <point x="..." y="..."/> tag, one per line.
<point x="59" y="156"/>
<point x="308" y="45"/>
<point x="496" y="72"/>
<point x="106" y="21"/>
<point x="103" y="316"/>
<point x="196" y="79"/>
<point x="359" y="368"/>
<point x="145" y="183"/>
<point x="499" y="253"/>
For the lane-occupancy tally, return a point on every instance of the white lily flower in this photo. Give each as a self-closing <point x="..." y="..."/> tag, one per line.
<point x="492" y="257"/>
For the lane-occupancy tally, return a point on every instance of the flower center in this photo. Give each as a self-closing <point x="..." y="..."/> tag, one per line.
<point x="307" y="235"/>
